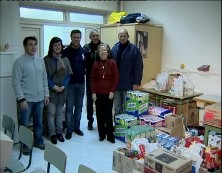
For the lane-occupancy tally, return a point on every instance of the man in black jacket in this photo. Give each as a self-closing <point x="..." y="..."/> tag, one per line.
<point x="91" y="56"/>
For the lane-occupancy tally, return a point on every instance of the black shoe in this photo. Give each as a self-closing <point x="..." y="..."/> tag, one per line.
<point x="68" y="135"/>
<point x="26" y="151"/>
<point x="60" y="137"/>
<point x="101" y="139"/>
<point x="40" y="146"/>
<point x="79" y="132"/>
<point x="53" y="139"/>
<point x="90" y="126"/>
<point x="111" y="140"/>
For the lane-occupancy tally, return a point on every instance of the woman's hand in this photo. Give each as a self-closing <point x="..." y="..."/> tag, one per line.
<point x="111" y="95"/>
<point x="56" y="88"/>
<point x="94" y="97"/>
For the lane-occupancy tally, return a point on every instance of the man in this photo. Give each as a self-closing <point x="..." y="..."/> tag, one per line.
<point x="76" y="88"/>
<point x="29" y="81"/>
<point x="91" y="57"/>
<point x="130" y="65"/>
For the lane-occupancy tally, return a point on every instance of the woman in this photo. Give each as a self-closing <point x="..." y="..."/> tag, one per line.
<point x="104" y="80"/>
<point x="58" y="72"/>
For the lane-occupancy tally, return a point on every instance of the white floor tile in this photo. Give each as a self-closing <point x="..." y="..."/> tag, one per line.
<point x="85" y="149"/>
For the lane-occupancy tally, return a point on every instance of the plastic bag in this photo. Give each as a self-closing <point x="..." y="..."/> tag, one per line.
<point x="177" y="87"/>
<point x="161" y="82"/>
<point x="143" y="146"/>
<point x="116" y="16"/>
<point x="188" y="85"/>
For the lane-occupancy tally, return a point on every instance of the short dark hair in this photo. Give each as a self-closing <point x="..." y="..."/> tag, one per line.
<point x="25" y="41"/>
<point x="75" y="31"/>
<point x="52" y="41"/>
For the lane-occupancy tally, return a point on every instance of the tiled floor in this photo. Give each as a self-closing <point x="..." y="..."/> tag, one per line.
<point x="85" y="149"/>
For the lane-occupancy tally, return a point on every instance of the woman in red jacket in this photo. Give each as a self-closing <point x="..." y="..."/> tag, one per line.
<point x="104" y="80"/>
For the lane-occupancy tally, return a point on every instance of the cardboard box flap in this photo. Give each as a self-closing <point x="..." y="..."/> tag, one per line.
<point x="174" y="126"/>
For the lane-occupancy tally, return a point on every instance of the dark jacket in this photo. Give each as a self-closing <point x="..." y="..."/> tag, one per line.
<point x="91" y="57"/>
<point x="130" y="66"/>
<point x="77" y="61"/>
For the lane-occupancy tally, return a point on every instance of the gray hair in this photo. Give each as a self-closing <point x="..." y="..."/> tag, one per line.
<point x="93" y="31"/>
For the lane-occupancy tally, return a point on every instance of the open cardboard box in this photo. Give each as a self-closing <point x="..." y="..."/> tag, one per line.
<point x="174" y="126"/>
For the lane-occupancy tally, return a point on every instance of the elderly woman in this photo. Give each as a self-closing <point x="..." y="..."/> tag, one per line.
<point x="104" y="80"/>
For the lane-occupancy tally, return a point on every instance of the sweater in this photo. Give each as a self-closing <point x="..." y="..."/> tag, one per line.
<point x="104" y="81"/>
<point x="59" y="78"/>
<point x="77" y="61"/>
<point x="29" y="78"/>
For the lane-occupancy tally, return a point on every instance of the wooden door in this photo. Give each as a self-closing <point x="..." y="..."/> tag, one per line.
<point x="37" y="31"/>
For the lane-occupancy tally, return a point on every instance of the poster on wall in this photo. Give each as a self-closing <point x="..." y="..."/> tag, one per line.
<point x="142" y="42"/>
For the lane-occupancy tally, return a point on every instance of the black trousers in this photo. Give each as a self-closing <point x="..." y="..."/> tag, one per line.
<point x="104" y="115"/>
<point x="89" y="103"/>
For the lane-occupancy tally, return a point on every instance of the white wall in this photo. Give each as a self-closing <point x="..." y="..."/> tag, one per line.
<point x="191" y="35"/>
<point x="10" y="28"/>
<point x="81" y="5"/>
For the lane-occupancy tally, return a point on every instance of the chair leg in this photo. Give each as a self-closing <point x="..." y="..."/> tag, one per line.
<point x="21" y="150"/>
<point x="48" y="167"/>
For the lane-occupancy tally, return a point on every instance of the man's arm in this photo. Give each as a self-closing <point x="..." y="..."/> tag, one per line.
<point x="138" y="69"/>
<point x="16" y="81"/>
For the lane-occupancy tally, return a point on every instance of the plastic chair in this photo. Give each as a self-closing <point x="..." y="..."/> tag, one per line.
<point x="85" y="169"/>
<point x="8" y="125"/>
<point x="25" y="136"/>
<point x="55" y="156"/>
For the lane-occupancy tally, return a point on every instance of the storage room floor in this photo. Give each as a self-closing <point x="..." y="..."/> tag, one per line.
<point x="87" y="150"/>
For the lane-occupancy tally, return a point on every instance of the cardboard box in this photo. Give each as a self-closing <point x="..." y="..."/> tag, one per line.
<point x="203" y="170"/>
<point x="201" y="117"/>
<point x="163" y="161"/>
<point x="122" y="123"/>
<point x="214" y="110"/>
<point x="190" y="113"/>
<point x="213" y="115"/>
<point x="174" y="126"/>
<point x="117" y="161"/>
<point x="137" y="103"/>
<point x="124" y="164"/>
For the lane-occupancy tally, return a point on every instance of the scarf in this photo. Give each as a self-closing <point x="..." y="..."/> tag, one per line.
<point x="60" y="64"/>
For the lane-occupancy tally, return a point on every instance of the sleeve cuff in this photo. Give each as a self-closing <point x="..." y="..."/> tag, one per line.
<point x="21" y="100"/>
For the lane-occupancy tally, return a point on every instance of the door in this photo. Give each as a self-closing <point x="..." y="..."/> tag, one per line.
<point x="36" y="31"/>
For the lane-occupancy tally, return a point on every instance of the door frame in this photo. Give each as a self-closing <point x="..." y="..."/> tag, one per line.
<point x="40" y="36"/>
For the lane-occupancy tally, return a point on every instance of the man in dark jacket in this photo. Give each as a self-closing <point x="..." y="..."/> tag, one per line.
<point x="130" y="66"/>
<point x="91" y="57"/>
<point x="76" y="88"/>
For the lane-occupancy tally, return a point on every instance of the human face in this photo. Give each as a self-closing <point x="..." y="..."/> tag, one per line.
<point x="76" y="38"/>
<point x="57" y="47"/>
<point x="95" y="37"/>
<point x="103" y="53"/>
<point x="123" y="36"/>
<point x="31" y="47"/>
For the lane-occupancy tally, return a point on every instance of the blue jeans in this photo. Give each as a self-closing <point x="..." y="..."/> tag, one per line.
<point x="36" y="109"/>
<point x="120" y="102"/>
<point x="74" y="104"/>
